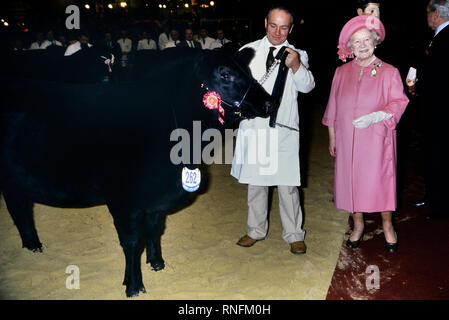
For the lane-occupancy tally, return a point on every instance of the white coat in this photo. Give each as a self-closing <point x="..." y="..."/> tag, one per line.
<point x="248" y="165"/>
<point x="146" y="44"/>
<point x="219" y="43"/>
<point x="74" y="47"/>
<point x="206" y="43"/>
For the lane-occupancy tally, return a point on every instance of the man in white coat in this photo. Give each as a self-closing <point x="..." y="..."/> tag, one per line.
<point x="205" y="40"/>
<point x="220" y="41"/>
<point x="256" y="139"/>
<point x="126" y="46"/>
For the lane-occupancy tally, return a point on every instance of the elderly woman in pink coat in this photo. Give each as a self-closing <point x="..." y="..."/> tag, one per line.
<point x="366" y="102"/>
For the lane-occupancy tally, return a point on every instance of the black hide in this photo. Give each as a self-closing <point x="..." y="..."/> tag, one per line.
<point x="68" y="144"/>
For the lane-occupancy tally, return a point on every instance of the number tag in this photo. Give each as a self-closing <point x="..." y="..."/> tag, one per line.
<point x="191" y="179"/>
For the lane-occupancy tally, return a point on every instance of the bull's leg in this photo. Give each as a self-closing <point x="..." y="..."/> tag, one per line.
<point x="21" y="211"/>
<point x="153" y="231"/>
<point x="129" y="227"/>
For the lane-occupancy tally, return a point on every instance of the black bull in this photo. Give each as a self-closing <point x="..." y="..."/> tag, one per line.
<point x="76" y="145"/>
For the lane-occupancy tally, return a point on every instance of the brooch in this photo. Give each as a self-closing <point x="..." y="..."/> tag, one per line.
<point x="374" y="69"/>
<point x="212" y="100"/>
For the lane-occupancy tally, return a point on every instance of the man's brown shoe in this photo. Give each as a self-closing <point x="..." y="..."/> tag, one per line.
<point x="246" y="241"/>
<point x="298" y="247"/>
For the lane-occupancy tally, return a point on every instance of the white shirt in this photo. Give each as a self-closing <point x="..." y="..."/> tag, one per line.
<point x="441" y="27"/>
<point x="206" y="42"/>
<point x="163" y="39"/>
<point x="146" y="44"/>
<point x="246" y="165"/>
<point x="48" y="43"/>
<point x="36" y="46"/>
<point x="219" y="43"/>
<point x="171" y="44"/>
<point x="71" y="49"/>
<point x="125" y="44"/>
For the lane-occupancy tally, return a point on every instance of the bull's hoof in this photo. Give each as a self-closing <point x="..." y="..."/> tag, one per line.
<point x="134" y="292"/>
<point x="35" y="249"/>
<point x="157" y="265"/>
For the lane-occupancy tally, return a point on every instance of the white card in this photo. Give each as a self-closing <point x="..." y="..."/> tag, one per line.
<point x="411" y="76"/>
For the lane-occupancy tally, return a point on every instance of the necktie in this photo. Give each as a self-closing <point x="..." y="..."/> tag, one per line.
<point x="270" y="58"/>
<point x="221" y="42"/>
<point x="204" y="40"/>
<point x="190" y="44"/>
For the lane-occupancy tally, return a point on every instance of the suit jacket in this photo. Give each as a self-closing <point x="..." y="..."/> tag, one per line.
<point x="433" y="83"/>
<point x="433" y="86"/>
<point x="184" y="43"/>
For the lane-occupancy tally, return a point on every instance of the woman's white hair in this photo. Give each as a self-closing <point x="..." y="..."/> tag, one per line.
<point x="374" y="34"/>
<point x="442" y="6"/>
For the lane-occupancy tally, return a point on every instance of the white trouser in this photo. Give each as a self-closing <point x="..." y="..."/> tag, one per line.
<point x="289" y="207"/>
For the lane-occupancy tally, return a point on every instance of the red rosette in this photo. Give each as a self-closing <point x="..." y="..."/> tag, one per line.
<point x="212" y="100"/>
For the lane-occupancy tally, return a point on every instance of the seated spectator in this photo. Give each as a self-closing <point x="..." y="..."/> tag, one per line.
<point x="126" y="45"/>
<point x="51" y="41"/>
<point x="39" y="41"/>
<point x="18" y="45"/>
<point x="164" y="38"/>
<point x="221" y="40"/>
<point x="108" y="46"/>
<point x="205" y="40"/>
<point x="63" y="40"/>
<point x="82" y="43"/>
<point x="189" y="42"/>
<point x="146" y="43"/>
<point x="174" y="34"/>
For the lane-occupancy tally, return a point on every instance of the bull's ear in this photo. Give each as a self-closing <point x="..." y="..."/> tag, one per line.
<point x="244" y="56"/>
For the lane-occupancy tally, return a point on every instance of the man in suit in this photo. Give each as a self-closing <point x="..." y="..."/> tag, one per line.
<point x="432" y="87"/>
<point x="368" y="7"/>
<point x="282" y="140"/>
<point x="189" y="42"/>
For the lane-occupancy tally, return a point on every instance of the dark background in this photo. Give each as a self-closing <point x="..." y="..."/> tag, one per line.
<point x="317" y="25"/>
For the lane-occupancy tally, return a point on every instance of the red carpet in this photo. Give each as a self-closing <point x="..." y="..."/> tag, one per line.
<point x="420" y="267"/>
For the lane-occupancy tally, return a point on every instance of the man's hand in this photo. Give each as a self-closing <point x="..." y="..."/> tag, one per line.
<point x="292" y="61"/>
<point x="411" y="90"/>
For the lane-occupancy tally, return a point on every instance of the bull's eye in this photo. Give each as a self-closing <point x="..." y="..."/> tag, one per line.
<point x="225" y="76"/>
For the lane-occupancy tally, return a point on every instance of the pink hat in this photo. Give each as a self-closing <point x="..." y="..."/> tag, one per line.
<point x="354" y="25"/>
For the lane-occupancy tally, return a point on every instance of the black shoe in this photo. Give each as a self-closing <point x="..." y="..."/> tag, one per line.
<point x="418" y="204"/>
<point x="391" y="247"/>
<point x="354" y="244"/>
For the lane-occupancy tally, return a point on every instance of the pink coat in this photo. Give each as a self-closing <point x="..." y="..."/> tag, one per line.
<point x="365" y="164"/>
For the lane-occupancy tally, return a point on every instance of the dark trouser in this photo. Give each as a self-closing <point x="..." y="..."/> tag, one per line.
<point x="437" y="168"/>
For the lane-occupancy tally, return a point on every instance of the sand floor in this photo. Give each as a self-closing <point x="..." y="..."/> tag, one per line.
<point x="202" y="260"/>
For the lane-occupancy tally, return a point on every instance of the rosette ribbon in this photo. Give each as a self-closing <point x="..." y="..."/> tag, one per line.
<point x="212" y="100"/>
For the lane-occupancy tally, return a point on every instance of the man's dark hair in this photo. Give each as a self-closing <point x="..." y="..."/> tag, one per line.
<point x="283" y="8"/>
<point x="362" y="4"/>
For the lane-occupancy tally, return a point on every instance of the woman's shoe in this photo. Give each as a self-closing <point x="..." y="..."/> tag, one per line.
<point x="392" y="247"/>
<point x="354" y="244"/>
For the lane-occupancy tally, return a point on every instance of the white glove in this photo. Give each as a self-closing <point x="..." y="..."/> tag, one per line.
<point x="374" y="117"/>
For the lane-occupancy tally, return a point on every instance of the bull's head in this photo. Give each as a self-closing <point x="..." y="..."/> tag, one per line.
<point x="241" y="96"/>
